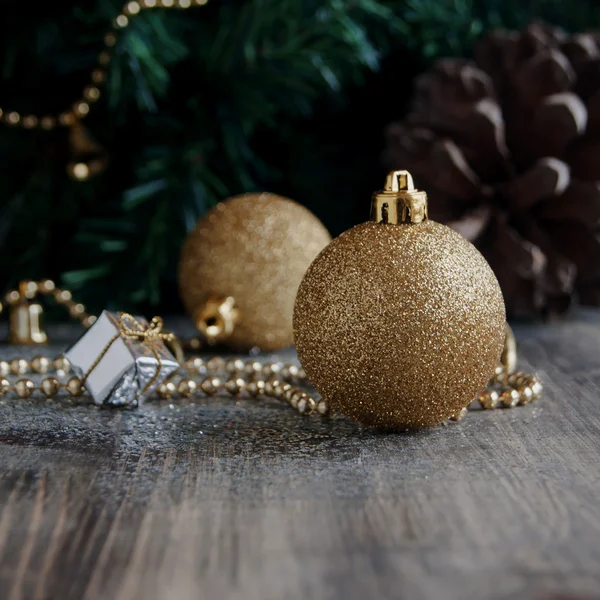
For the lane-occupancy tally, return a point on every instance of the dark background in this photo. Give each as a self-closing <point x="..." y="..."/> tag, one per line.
<point x="186" y="118"/>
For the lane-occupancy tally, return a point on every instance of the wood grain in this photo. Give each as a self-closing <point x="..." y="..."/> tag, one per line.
<point x="247" y="500"/>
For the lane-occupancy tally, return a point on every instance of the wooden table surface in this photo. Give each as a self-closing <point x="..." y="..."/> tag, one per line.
<point x="247" y="500"/>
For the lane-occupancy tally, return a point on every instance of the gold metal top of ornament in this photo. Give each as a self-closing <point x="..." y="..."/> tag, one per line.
<point x="399" y="201"/>
<point x="217" y="318"/>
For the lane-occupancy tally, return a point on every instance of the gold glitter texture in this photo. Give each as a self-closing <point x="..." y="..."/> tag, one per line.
<point x="256" y="248"/>
<point x="399" y="325"/>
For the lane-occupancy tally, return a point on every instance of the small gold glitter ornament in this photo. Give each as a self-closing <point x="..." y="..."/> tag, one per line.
<point x="240" y="269"/>
<point x="399" y="322"/>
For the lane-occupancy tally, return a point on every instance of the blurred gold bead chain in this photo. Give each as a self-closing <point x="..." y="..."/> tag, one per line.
<point x="91" y="92"/>
<point x="237" y="377"/>
<point x="196" y="377"/>
<point x="217" y="376"/>
<point x="506" y="390"/>
<point x="29" y="290"/>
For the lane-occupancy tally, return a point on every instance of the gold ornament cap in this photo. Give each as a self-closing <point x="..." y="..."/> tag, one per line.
<point x="217" y="318"/>
<point x="399" y="201"/>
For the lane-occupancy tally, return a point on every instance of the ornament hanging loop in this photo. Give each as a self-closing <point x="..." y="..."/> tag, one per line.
<point x="399" y="201"/>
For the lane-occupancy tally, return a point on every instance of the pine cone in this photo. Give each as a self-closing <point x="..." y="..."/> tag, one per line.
<point x="508" y="149"/>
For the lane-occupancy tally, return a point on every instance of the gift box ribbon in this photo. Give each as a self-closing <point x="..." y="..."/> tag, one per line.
<point x="130" y="329"/>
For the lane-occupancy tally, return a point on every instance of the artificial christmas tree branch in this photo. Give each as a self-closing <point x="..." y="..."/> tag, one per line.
<point x="185" y="94"/>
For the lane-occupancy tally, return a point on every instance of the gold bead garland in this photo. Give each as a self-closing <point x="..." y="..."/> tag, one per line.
<point x="91" y="92"/>
<point x="31" y="289"/>
<point x="284" y="382"/>
<point x="217" y="376"/>
<point x="197" y="377"/>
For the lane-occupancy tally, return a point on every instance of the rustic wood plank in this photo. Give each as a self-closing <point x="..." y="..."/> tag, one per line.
<point x="226" y="499"/>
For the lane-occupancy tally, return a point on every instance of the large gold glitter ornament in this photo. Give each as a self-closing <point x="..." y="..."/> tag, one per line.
<point x="400" y="321"/>
<point x="241" y="267"/>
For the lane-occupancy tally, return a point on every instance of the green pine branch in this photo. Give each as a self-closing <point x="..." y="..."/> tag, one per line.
<point x="191" y="99"/>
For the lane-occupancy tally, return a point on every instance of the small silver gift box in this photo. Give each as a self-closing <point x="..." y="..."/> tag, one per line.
<point x="122" y="358"/>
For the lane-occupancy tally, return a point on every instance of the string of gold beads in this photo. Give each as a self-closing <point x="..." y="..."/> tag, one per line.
<point x="218" y="376"/>
<point x="510" y="390"/>
<point x="242" y="378"/>
<point x="91" y="92"/>
<point x="283" y="391"/>
<point x="29" y="290"/>
<point x="506" y="390"/>
<point x="249" y="378"/>
<point x="39" y="364"/>
<point x="49" y="387"/>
